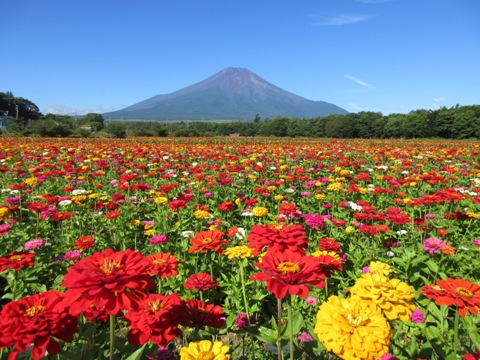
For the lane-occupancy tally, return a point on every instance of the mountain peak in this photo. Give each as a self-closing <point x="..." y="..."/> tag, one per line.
<point x="232" y="93"/>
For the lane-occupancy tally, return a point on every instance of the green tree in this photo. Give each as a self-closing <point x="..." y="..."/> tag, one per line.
<point x="116" y="130"/>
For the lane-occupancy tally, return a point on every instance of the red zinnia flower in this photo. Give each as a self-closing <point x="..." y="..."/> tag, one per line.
<point x="37" y="207"/>
<point x="464" y="294"/>
<point x="37" y="320"/>
<point x="198" y="315"/>
<point x="84" y="242"/>
<point x="226" y="206"/>
<point x="111" y="280"/>
<point x="17" y="260"/>
<point x="112" y="215"/>
<point x="329" y="244"/>
<point x="287" y="209"/>
<point x="278" y="237"/>
<point x="162" y="264"/>
<point x="156" y="320"/>
<point x="207" y="240"/>
<point x="201" y="281"/>
<point x="289" y="272"/>
<point x="60" y="216"/>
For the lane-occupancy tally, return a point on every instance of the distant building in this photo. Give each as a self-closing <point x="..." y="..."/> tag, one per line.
<point x="3" y="120"/>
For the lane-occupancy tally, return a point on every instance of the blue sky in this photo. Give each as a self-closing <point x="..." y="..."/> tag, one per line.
<point x="391" y="56"/>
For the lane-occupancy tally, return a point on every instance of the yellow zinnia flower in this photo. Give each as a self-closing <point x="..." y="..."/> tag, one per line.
<point x="241" y="252"/>
<point x="201" y="214"/>
<point x="205" y="350"/>
<point x="379" y="267"/>
<point x="391" y="295"/>
<point x="352" y="328"/>
<point x="260" y="211"/>
<point x="4" y="213"/>
<point x="161" y="200"/>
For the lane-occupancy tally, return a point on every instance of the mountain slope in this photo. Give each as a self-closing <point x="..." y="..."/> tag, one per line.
<point x="233" y="93"/>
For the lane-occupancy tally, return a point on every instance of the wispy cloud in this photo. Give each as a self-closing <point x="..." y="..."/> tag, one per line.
<point x="436" y="101"/>
<point x="359" y="81"/>
<point x="340" y="19"/>
<point x="355" y="107"/>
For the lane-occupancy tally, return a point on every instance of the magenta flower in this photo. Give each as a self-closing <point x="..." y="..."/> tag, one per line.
<point x="417" y="316"/>
<point x="305" y="337"/>
<point x="432" y="245"/>
<point x="72" y="255"/>
<point x="158" y="239"/>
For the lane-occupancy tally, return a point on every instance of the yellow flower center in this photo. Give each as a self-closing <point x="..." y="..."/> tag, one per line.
<point x="156" y="305"/>
<point x="109" y="265"/>
<point x="159" y="261"/>
<point x="276" y="227"/>
<point x="288" y="267"/>
<point x="355" y="321"/>
<point x="463" y="292"/>
<point x="207" y="241"/>
<point x="16" y="257"/>
<point x="205" y="355"/>
<point x="34" y="310"/>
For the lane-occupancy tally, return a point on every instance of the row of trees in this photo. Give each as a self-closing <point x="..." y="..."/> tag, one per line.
<point x="459" y="122"/>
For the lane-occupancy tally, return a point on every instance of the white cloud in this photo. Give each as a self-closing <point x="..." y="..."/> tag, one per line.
<point x="359" y="81"/>
<point x="62" y="109"/>
<point x="342" y="19"/>
<point x="439" y="99"/>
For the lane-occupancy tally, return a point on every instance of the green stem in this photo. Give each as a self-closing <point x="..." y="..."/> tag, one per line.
<point x="244" y="291"/>
<point x="279" y="329"/>
<point x="112" y="336"/>
<point x="455" y="339"/>
<point x="290" y="326"/>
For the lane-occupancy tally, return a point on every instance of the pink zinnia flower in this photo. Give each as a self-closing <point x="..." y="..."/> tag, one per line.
<point x="432" y="245"/>
<point x="33" y="244"/>
<point x="72" y="255"/>
<point x="417" y="316"/>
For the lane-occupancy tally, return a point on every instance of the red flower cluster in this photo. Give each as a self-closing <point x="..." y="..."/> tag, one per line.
<point x="201" y="281"/>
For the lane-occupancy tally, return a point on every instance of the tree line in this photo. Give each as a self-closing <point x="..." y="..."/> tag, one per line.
<point x="458" y="122"/>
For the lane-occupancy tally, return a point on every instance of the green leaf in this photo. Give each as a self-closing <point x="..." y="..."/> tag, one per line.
<point x="267" y="335"/>
<point x="472" y="330"/>
<point x="435" y="339"/>
<point x="137" y="355"/>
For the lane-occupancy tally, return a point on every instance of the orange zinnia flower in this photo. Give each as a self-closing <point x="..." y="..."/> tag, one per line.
<point x="162" y="264"/>
<point x="207" y="240"/>
<point x="109" y="280"/>
<point x="464" y="294"/>
<point x="36" y="320"/>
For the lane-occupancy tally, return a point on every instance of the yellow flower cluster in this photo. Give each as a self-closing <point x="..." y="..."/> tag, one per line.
<point x="31" y="181"/>
<point x="161" y="200"/>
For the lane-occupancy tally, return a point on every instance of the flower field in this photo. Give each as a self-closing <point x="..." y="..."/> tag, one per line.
<point x="239" y="248"/>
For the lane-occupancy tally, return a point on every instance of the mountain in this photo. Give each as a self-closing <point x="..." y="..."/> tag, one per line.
<point x="231" y="94"/>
